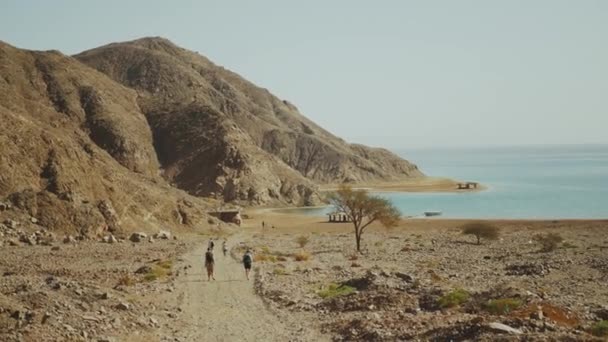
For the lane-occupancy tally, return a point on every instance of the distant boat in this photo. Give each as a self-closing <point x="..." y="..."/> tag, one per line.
<point x="432" y="213"/>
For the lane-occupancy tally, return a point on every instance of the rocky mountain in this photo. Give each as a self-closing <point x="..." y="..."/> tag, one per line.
<point x="76" y="151"/>
<point x="142" y="131"/>
<point x="218" y="134"/>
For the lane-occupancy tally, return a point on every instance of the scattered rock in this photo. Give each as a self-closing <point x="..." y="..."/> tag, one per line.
<point x="123" y="306"/>
<point x="162" y="235"/>
<point x="138" y="237"/>
<point x="11" y="224"/>
<point x="69" y="239"/>
<point x="144" y="269"/>
<point x="405" y="277"/>
<point x="503" y="328"/>
<point x="109" y="239"/>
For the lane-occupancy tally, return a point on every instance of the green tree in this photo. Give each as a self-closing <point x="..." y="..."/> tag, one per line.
<point x="362" y="209"/>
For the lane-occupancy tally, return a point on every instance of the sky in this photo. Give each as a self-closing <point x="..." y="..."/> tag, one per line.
<point x="397" y="74"/>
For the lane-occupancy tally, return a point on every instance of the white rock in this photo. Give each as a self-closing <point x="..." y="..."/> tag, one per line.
<point x="504" y="328"/>
<point x="163" y="234"/>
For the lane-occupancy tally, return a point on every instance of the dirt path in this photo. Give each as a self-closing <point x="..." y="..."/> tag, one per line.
<point x="228" y="309"/>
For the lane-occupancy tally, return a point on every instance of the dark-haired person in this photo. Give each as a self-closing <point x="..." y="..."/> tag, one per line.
<point x="209" y="264"/>
<point x="247" y="262"/>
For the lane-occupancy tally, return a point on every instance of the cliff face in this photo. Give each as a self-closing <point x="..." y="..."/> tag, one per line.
<point x="141" y="131"/>
<point x="76" y="151"/>
<point x="218" y="134"/>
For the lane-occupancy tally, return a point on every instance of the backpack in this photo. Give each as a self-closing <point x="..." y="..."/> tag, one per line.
<point x="247" y="259"/>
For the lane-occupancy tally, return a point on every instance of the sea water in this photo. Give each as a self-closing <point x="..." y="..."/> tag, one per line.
<point x="532" y="182"/>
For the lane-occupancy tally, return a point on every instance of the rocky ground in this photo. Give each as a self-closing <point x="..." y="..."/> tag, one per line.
<point x="80" y="288"/>
<point x="421" y="281"/>
<point x="426" y="281"/>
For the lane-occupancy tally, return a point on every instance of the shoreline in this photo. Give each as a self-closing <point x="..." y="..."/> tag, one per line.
<point x="297" y="217"/>
<point x="295" y="212"/>
<point x="422" y="184"/>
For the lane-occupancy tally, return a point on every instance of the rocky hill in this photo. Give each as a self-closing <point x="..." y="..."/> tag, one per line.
<point x="108" y="139"/>
<point x="218" y="134"/>
<point x="77" y="152"/>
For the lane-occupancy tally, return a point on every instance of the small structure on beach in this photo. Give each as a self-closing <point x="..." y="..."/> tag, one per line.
<point x="227" y="215"/>
<point x="467" y="185"/>
<point x="338" y="217"/>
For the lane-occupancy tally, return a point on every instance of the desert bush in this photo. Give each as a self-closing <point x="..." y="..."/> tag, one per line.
<point x="155" y="273"/>
<point x="302" y="256"/>
<point x="167" y="264"/>
<point x="453" y="298"/>
<point x="334" y="290"/>
<point x="502" y="306"/>
<point x="160" y="270"/>
<point x="126" y="280"/>
<point x="279" y="271"/>
<point x="266" y="250"/>
<point x="302" y="240"/>
<point x="600" y="329"/>
<point x="548" y="242"/>
<point x="569" y="245"/>
<point x="353" y="257"/>
<point x="481" y="230"/>
<point x="261" y="257"/>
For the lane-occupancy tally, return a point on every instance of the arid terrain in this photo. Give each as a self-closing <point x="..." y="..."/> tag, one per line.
<point x="423" y="280"/>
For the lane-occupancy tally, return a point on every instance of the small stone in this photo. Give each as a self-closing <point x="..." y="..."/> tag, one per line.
<point x="138" y="237"/>
<point x="34" y="220"/>
<point x="69" y="328"/>
<point x="144" y="269"/>
<point x="163" y="235"/>
<point x="11" y="224"/>
<point x="69" y="239"/>
<point x="109" y="239"/>
<point x="504" y="328"/>
<point x="123" y="306"/>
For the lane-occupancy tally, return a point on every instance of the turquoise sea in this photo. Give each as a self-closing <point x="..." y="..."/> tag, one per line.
<point x="534" y="182"/>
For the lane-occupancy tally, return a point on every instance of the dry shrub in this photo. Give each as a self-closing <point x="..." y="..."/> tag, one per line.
<point x="481" y="230"/>
<point x="126" y="280"/>
<point x="264" y="257"/>
<point x="353" y="257"/>
<point x="302" y="240"/>
<point x="548" y="242"/>
<point x="302" y="256"/>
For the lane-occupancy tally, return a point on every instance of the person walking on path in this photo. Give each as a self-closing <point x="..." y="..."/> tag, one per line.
<point x="224" y="248"/>
<point x="209" y="264"/>
<point x="247" y="261"/>
<point x="211" y="244"/>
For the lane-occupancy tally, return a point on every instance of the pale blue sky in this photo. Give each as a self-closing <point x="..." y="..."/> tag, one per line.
<point x="386" y="73"/>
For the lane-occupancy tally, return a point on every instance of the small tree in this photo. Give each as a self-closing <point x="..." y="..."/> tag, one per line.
<point x="480" y="230"/>
<point x="362" y="209"/>
<point x="548" y="242"/>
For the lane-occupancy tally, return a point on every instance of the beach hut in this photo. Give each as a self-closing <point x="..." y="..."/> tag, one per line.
<point x="338" y="217"/>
